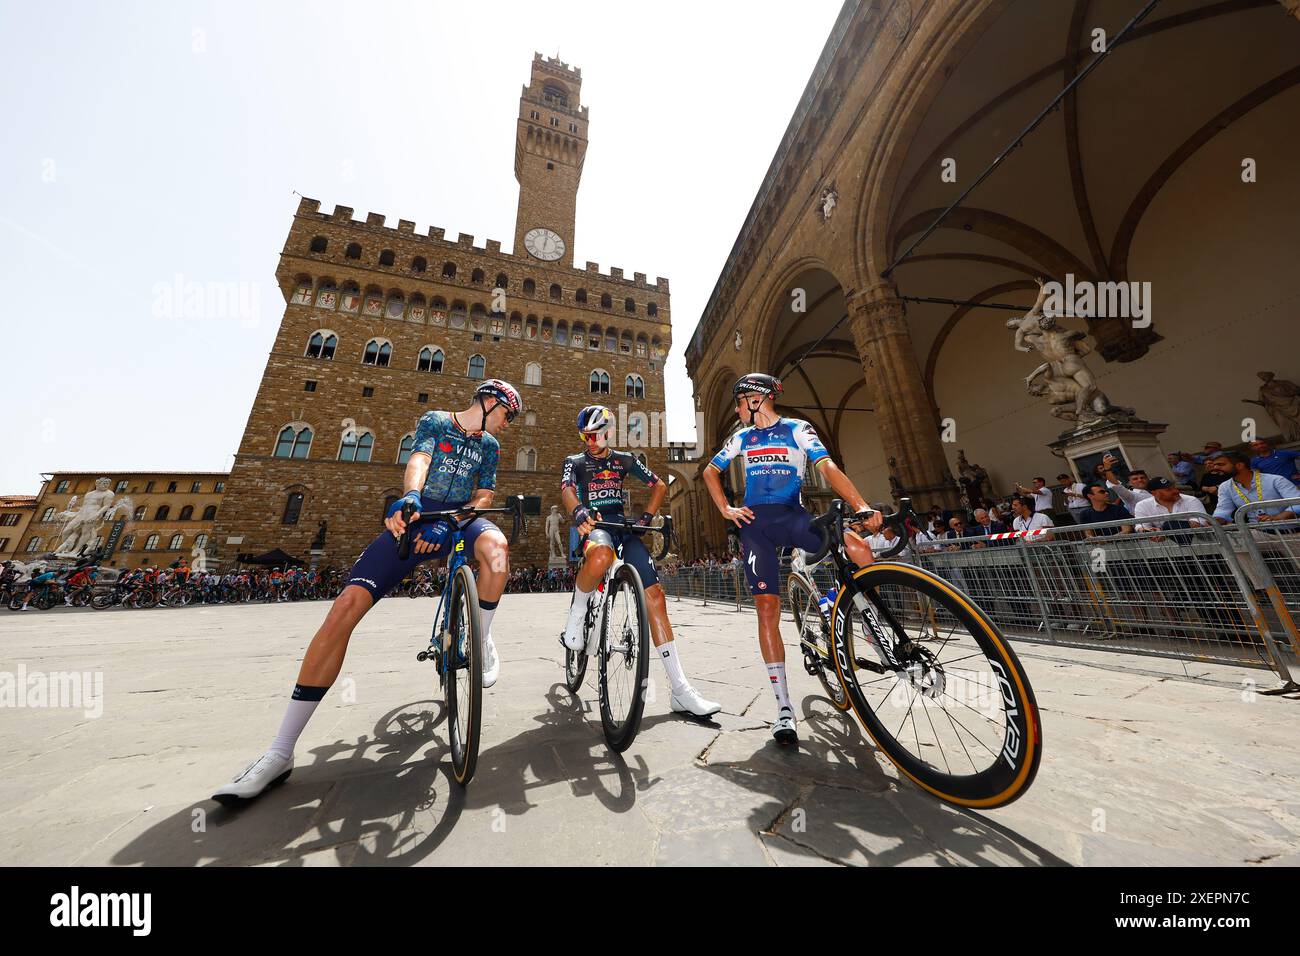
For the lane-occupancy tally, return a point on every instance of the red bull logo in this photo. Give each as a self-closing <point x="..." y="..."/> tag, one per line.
<point x="605" y="474"/>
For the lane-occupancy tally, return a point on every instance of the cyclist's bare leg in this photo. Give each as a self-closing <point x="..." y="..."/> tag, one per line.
<point x="769" y="628"/>
<point x="493" y="553"/>
<point x="858" y="550"/>
<point x="594" y="565"/>
<point x="661" y="632"/>
<point x="324" y="658"/>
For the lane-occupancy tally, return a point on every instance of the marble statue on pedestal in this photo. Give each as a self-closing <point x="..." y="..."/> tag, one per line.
<point x="1281" y="399"/>
<point x="553" y="540"/>
<point x="82" y="524"/>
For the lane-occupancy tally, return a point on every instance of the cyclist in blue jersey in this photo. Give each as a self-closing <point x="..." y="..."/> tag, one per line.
<point x="453" y="465"/>
<point x="776" y="451"/>
<point x="591" y="488"/>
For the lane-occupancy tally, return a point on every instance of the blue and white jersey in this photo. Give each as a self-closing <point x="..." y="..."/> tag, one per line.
<point x="774" y="458"/>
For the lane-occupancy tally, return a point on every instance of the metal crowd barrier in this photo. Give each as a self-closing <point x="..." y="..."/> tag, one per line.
<point x="1221" y="593"/>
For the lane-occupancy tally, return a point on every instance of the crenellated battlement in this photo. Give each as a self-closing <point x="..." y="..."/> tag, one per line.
<point x="375" y="225"/>
<point x="557" y="66"/>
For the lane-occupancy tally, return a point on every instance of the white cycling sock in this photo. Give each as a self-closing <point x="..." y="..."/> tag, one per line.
<point x="485" y="611"/>
<point x="579" y="606"/>
<point x="673" y="666"/>
<point x="776" y="674"/>
<point x="300" y="709"/>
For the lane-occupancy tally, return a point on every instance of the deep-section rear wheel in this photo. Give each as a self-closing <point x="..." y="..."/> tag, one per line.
<point x="813" y="631"/>
<point x="623" y="658"/>
<point x="464" y="660"/>
<point x="953" y="708"/>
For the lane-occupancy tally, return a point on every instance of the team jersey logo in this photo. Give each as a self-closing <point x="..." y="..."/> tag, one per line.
<point x="444" y="446"/>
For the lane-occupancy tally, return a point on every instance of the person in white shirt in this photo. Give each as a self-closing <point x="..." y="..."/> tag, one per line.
<point x="885" y="540"/>
<point x="1166" y="499"/>
<point x="1076" y="502"/>
<point x="1027" y="519"/>
<point x="1041" y="494"/>
<point x="1137" y="479"/>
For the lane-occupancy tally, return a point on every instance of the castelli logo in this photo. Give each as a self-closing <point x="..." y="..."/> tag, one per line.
<point x="444" y="446"/>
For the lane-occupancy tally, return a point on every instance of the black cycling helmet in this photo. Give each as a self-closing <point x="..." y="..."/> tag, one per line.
<point x="759" y="382"/>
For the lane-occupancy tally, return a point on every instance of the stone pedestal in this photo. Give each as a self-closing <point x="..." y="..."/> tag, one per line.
<point x="315" y="558"/>
<point x="1135" y="442"/>
<point x="557" y="561"/>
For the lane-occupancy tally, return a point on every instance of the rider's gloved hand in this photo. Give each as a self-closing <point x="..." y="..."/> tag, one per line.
<point x="581" y="515"/>
<point x="646" y="517"/>
<point x="411" y="497"/>
<point x="434" y="535"/>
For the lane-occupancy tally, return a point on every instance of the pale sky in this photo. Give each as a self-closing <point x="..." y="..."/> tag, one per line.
<point x="146" y="141"/>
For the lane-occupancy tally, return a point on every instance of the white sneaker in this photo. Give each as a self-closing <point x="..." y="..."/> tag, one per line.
<point x="574" y="639"/>
<point x="267" y="770"/>
<point x="491" y="663"/>
<point x="689" y="701"/>
<point x="783" y="729"/>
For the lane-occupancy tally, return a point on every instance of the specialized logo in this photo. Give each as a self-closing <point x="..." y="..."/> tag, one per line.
<point x="1010" y="749"/>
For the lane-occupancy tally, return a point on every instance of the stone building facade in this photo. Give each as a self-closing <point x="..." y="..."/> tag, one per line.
<point x="173" y="514"/>
<point x="381" y="325"/>
<point x="884" y="310"/>
<point x="15" y="514"/>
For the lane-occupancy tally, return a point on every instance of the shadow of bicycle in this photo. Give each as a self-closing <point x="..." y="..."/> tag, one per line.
<point x="389" y="799"/>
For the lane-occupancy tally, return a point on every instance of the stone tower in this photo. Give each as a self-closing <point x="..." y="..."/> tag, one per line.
<point x="550" y="145"/>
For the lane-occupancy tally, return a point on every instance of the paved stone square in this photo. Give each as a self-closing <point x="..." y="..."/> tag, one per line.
<point x="1143" y="764"/>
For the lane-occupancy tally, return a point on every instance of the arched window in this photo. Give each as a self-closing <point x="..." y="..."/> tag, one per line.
<point x="292" y="508"/>
<point x="580" y="296"/>
<point x="293" y="442"/>
<point x="356" y="446"/>
<point x="555" y="290"/>
<point x="139" y="513"/>
<point x="405" y="448"/>
<point x="431" y="360"/>
<point x="605" y="301"/>
<point x="502" y="281"/>
<point x="150" y="543"/>
<point x="322" y="344"/>
<point x="175" y="544"/>
<point x="476" y="276"/>
<point x="419" y="264"/>
<point x="48" y="515"/>
<point x="201" y="541"/>
<point x="526" y="460"/>
<point x="187" y="513"/>
<point x="379" y="352"/>
<point x="532" y="374"/>
<point x="387" y="257"/>
<point x="353" y="250"/>
<point x="599" y="382"/>
<point x="629" y="304"/>
<point x="635" y="386"/>
<point x="318" y="244"/>
<point x="651" y="309"/>
<point x="477" y="366"/>
<point x="33" y="545"/>
<point x="210" y="513"/>
<point x="128" y="543"/>
<point x="449" y="270"/>
<point x="162" y="513"/>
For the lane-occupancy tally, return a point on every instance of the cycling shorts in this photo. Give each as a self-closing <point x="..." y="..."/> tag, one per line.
<point x="379" y="569"/>
<point x="634" y="552"/>
<point x="774" y="527"/>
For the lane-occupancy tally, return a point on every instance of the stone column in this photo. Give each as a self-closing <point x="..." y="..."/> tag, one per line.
<point x="1292" y="7"/>
<point x="909" y="429"/>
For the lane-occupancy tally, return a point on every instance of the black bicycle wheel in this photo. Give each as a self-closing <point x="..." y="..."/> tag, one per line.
<point x="464" y="676"/>
<point x="953" y="710"/>
<point x="815" y="632"/>
<point x="623" y="658"/>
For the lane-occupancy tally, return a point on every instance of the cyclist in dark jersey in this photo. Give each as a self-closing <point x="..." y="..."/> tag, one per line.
<point x="776" y="451"/>
<point x="592" y="489"/>
<point x="453" y="465"/>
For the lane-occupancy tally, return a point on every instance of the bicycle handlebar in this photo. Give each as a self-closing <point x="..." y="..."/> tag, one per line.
<point x="832" y="523"/>
<point x="666" y="528"/>
<point x="518" y="523"/>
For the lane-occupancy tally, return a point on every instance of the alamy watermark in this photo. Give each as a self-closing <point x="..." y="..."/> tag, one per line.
<point x="72" y="690"/>
<point x="192" y="299"/>
<point x="1099" y="300"/>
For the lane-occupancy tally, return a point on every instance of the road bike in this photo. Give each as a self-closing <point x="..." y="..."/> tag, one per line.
<point x="456" y="643"/>
<point x="932" y="679"/>
<point x="617" y="632"/>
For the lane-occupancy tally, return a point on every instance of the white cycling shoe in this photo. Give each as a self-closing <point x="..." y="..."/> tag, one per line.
<point x="266" y="771"/>
<point x="783" y="728"/>
<point x="491" y="663"/>
<point x="689" y="701"/>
